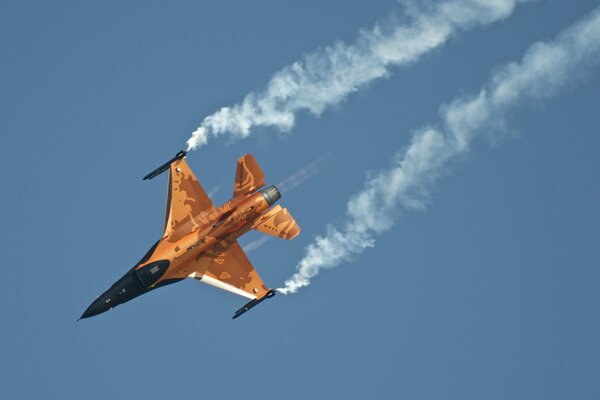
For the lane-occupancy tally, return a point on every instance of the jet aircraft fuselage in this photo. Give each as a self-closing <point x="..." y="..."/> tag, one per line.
<point x="200" y="240"/>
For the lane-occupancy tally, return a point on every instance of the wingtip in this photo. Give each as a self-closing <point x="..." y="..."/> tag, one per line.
<point x="181" y="154"/>
<point x="253" y="303"/>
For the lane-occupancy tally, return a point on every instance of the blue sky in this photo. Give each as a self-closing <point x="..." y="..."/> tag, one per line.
<point x="489" y="292"/>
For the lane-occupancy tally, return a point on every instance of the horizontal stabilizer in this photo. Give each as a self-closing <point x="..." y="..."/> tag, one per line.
<point x="278" y="222"/>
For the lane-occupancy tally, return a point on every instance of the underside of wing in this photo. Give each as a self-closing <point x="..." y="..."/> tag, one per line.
<point x="248" y="176"/>
<point x="230" y="269"/>
<point x="188" y="205"/>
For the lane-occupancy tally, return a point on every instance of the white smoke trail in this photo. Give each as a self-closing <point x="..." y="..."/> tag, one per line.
<point x="326" y="77"/>
<point x="545" y="68"/>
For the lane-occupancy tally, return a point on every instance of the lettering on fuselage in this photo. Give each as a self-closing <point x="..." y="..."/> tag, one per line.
<point x="198" y="243"/>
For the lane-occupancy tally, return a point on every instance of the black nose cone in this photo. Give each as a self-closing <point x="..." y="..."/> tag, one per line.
<point x="97" y="307"/>
<point x="125" y="289"/>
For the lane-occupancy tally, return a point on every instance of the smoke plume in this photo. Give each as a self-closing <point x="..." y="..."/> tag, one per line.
<point x="326" y="77"/>
<point x="545" y="69"/>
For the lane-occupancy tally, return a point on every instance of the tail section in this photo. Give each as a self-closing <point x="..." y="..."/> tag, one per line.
<point x="248" y="176"/>
<point x="279" y="223"/>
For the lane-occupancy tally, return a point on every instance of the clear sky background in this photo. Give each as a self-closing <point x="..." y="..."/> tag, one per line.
<point x="490" y="293"/>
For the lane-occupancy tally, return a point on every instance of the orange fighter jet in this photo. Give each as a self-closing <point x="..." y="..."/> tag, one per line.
<point x="200" y="240"/>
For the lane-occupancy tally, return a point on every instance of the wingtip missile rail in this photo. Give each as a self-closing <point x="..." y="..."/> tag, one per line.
<point x="253" y="303"/>
<point x="165" y="166"/>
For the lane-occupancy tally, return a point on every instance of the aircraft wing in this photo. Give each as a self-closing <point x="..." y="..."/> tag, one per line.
<point x="248" y="176"/>
<point x="188" y="205"/>
<point x="230" y="269"/>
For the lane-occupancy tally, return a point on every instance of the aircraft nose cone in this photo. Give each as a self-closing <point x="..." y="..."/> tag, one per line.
<point x="125" y="289"/>
<point x="99" y="306"/>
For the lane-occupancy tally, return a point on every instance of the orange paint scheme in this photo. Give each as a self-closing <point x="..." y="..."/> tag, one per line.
<point x="200" y="240"/>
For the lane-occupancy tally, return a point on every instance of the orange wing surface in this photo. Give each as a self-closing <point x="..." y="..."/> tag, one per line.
<point x="278" y="222"/>
<point x="188" y="205"/>
<point x="231" y="270"/>
<point x="248" y="176"/>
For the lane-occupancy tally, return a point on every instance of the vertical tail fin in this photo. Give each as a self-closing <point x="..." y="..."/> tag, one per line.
<point x="248" y="176"/>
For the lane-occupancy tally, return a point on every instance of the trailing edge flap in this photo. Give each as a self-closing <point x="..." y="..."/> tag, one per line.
<point x="187" y="202"/>
<point x="278" y="222"/>
<point x="230" y="269"/>
<point x="248" y="176"/>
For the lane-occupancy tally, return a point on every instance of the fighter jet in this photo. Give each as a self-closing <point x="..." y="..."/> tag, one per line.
<point x="200" y="240"/>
